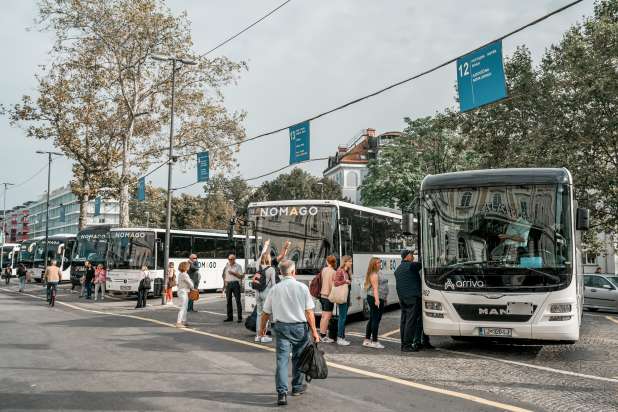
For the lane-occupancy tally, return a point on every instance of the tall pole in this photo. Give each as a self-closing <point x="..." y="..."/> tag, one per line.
<point x="3" y="226"/>
<point x="168" y="217"/>
<point x="49" y="160"/>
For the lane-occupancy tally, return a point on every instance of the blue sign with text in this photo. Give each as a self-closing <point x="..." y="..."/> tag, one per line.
<point x="480" y="77"/>
<point x="97" y="205"/>
<point x="141" y="189"/>
<point x="203" y="167"/>
<point x="300" y="141"/>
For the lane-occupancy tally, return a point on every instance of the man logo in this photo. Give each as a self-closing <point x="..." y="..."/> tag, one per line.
<point x="449" y="285"/>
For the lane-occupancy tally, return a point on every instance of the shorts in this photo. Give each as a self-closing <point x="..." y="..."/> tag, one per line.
<point x="327" y="305"/>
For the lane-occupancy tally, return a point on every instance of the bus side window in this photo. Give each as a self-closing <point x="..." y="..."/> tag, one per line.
<point x="239" y="246"/>
<point x="180" y="246"/>
<point x="203" y="247"/>
<point x="223" y="248"/>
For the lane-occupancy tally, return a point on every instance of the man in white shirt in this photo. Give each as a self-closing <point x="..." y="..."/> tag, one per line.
<point x="232" y="275"/>
<point x="290" y="307"/>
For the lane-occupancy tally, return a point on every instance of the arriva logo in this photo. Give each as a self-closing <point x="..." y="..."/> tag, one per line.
<point x="449" y="284"/>
<point x="288" y="211"/>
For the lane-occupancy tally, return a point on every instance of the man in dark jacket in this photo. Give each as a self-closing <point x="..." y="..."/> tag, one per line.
<point x="409" y="291"/>
<point x="194" y="274"/>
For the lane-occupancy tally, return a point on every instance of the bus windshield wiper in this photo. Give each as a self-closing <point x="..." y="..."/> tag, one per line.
<point x="551" y="276"/>
<point x="461" y="265"/>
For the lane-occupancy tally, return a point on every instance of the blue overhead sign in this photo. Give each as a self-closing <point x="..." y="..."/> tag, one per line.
<point x="299" y="142"/>
<point x="480" y="77"/>
<point x="97" y="205"/>
<point x="203" y="167"/>
<point x="141" y="189"/>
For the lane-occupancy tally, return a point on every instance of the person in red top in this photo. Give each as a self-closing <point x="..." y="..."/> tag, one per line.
<point x="100" y="277"/>
<point x="343" y="277"/>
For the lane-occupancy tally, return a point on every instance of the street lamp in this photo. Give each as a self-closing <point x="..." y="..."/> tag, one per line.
<point x="168" y="218"/>
<point x="6" y="184"/>
<point x="49" y="160"/>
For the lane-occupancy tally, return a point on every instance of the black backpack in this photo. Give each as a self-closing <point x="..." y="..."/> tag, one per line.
<point x="259" y="280"/>
<point x="312" y="363"/>
<point x="145" y="283"/>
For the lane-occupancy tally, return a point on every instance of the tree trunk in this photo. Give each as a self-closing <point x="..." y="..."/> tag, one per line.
<point x="124" y="177"/>
<point x="83" y="210"/>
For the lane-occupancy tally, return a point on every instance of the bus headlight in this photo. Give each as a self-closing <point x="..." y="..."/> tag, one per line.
<point x="433" y="305"/>
<point x="560" y="308"/>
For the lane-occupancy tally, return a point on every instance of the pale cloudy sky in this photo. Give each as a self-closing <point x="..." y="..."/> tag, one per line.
<point x="306" y="58"/>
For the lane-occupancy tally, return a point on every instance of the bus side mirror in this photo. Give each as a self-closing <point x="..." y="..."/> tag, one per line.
<point x="159" y="245"/>
<point x="408" y="225"/>
<point x="583" y="219"/>
<point x="60" y="249"/>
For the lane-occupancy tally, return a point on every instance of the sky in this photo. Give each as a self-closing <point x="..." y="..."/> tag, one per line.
<point x="306" y="58"/>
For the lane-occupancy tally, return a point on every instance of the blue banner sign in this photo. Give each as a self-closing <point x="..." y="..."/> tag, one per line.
<point x="480" y="77"/>
<point x="299" y="142"/>
<point x="141" y="189"/>
<point x="203" y="167"/>
<point x="97" y="206"/>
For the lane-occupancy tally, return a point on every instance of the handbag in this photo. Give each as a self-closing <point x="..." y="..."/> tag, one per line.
<point x="339" y="294"/>
<point x="312" y="363"/>
<point x="194" y="294"/>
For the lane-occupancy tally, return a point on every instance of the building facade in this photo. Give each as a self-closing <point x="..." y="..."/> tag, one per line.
<point x="27" y="221"/>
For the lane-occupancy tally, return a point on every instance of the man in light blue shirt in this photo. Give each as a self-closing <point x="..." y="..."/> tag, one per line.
<point x="290" y="307"/>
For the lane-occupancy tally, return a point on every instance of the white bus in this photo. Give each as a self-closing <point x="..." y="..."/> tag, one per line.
<point x="499" y="255"/>
<point x="59" y="248"/>
<point x="318" y="228"/>
<point x="131" y="248"/>
<point x="27" y="250"/>
<point x="90" y="245"/>
<point x="10" y="255"/>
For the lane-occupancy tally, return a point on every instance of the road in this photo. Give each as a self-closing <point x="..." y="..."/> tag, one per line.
<point x="84" y="355"/>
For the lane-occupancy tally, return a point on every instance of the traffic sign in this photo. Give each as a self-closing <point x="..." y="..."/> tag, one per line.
<point x="203" y="167"/>
<point x="480" y="77"/>
<point x="97" y="205"/>
<point x="141" y="189"/>
<point x="299" y="142"/>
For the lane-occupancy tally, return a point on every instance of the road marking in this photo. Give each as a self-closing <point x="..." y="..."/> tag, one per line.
<point x="387" y="334"/>
<point x="528" y="365"/>
<point x="388" y="378"/>
<point x="611" y="319"/>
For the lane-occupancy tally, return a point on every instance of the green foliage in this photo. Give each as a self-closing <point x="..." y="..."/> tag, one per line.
<point x="298" y="184"/>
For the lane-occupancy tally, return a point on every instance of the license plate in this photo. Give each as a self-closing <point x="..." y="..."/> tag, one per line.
<point x="502" y="332"/>
<point x="125" y="287"/>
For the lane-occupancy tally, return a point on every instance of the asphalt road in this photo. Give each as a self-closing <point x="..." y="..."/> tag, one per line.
<point x="84" y="355"/>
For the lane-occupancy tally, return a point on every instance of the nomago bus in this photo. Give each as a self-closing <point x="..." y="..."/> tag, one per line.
<point x="27" y="250"/>
<point x="318" y="228"/>
<point x="499" y="255"/>
<point x="131" y="248"/>
<point x="59" y="248"/>
<point x="10" y="255"/>
<point x="90" y="245"/>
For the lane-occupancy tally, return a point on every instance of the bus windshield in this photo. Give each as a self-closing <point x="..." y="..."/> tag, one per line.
<point x="52" y="249"/>
<point x="91" y="246"/>
<point x="310" y="229"/>
<point x="6" y="261"/>
<point x="131" y="250"/>
<point x="498" y="238"/>
<point x="26" y="251"/>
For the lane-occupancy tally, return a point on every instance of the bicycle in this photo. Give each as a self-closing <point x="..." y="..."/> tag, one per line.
<point x="51" y="295"/>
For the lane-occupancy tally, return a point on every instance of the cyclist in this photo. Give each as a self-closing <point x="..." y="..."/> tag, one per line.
<point x="52" y="278"/>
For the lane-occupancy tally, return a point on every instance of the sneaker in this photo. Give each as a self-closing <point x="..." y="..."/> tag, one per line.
<point x="282" y="399"/>
<point x="367" y="343"/>
<point x="377" y="345"/>
<point x="180" y="325"/>
<point x="257" y="339"/>
<point x="326" y="339"/>
<point x="299" y="391"/>
<point x="266" y="339"/>
<point x="342" y="342"/>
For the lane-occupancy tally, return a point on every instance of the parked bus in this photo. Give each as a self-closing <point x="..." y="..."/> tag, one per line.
<point x="10" y="254"/>
<point x="90" y="245"/>
<point x="318" y="228"/>
<point x="59" y="248"/>
<point x="499" y="254"/>
<point x="27" y="250"/>
<point x="132" y="248"/>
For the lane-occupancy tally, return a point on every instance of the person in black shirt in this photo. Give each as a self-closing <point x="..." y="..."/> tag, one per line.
<point x="89" y="279"/>
<point x="194" y="274"/>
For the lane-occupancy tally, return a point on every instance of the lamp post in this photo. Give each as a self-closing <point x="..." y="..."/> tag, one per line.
<point x="168" y="217"/>
<point x="6" y="184"/>
<point x="49" y="160"/>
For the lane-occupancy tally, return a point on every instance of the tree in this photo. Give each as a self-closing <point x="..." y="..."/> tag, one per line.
<point x="298" y="184"/>
<point x="431" y="145"/>
<point x="121" y="36"/>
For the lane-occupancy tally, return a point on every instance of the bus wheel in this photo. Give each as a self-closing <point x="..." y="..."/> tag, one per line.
<point x="365" y="312"/>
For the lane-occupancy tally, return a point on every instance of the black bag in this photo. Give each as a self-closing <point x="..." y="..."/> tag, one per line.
<point x="251" y="321"/>
<point x="144" y="284"/>
<point x="258" y="283"/>
<point x="312" y="363"/>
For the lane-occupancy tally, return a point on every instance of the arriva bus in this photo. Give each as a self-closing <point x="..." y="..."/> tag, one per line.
<point x="10" y="254"/>
<point x="90" y="245"/>
<point x="59" y="248"/>
<point x="130" y="249"/>
<point x="499" y="255"/>
<point x="318" y="228"/>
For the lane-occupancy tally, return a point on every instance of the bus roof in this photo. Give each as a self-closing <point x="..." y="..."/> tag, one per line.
<point x="497" y="177"/>
<point x="215" y="232"/>
<point x="313" y="202"/>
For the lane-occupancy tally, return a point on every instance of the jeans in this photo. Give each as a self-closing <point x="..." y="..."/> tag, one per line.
<point x="342" y="311"/>
<point x="141" y="298"/>
<point x="184" y="305"/>
<point x="22" y="283"/>
<point x="88" y="286"/>
<point x="289" y="337"/>
<point x="233" y="288"/>
<point x="375" y="316"/>
<point x="99" y="287"/>
<point x="407" y="325"/>
<point x="51" y="285"/>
